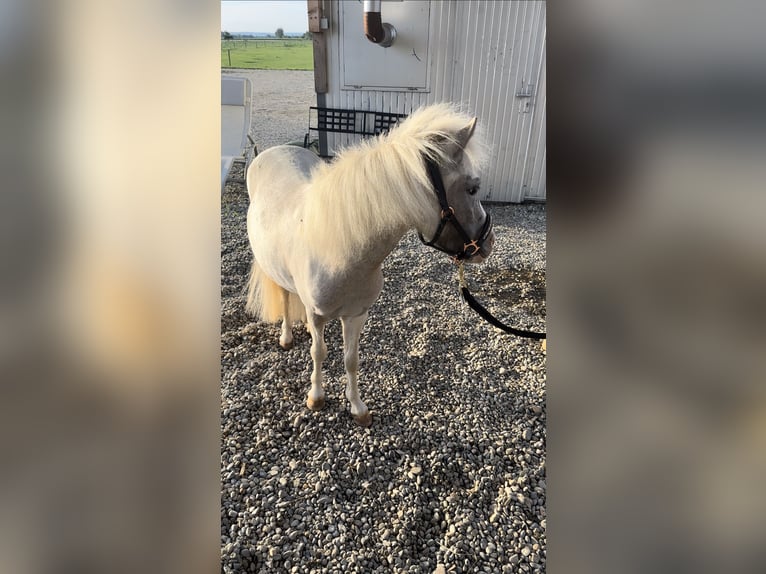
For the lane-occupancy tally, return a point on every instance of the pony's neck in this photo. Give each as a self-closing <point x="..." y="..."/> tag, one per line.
<point x="377" y="249"/>
<point x="358" y="208"/>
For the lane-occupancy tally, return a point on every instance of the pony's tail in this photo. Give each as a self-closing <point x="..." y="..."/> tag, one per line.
<point x="265" y="298"/>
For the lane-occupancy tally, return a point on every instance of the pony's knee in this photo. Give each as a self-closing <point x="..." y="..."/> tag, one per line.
<point x="319" y="350"/>
<point x="351" y="362"/>
<point x="318" y="353"/>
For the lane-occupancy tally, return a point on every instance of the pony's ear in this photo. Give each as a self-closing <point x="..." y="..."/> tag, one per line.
<point x="462" y="138"/>
<point x="464" y="135"/>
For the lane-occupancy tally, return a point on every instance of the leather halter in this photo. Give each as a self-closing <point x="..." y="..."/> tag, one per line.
<point x="470" y="246"/>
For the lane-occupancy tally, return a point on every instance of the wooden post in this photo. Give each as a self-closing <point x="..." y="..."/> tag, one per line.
<point x="315" y="13"/>
<point x="320" y="46"/>
<point x="229" y="51"/>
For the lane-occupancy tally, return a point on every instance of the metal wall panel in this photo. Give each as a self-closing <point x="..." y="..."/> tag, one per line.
<point x="488" y="57"/>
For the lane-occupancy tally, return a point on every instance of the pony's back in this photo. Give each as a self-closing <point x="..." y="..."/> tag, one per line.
<point x="282" y="167"/>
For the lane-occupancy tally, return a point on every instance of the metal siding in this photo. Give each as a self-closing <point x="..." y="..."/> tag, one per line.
<point x="480" y="52"/>
<point x="536" y="182"/>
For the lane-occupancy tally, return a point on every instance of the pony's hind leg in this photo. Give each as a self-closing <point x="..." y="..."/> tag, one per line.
<point x="286" y="336"/>
<point x="315" y="400"/>
<point x="352" y="329"/>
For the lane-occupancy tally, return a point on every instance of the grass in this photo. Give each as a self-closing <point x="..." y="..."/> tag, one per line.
<point x="286" y="54"/>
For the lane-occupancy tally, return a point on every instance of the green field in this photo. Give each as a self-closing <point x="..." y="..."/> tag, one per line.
<point x="286" y="54"/>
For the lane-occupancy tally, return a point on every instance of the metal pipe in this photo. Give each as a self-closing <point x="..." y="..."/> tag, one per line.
<point x="377" y="31"/>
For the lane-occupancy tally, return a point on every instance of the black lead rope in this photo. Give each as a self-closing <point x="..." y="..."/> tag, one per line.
<point x="448" y="216"/>
<point x="487" y="316"/>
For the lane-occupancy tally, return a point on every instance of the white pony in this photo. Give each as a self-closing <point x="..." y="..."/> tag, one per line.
<point x="320" y="232"/>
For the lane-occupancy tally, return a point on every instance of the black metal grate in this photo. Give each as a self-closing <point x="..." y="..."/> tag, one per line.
<point x="359" y="122"/>
<point x="385" y="121"/>
<point x="339" y="121"/>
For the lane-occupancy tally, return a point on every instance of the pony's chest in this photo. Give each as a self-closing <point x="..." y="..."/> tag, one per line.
<point x="347" y="295"/>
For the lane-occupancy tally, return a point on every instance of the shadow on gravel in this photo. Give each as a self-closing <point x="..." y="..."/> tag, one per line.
<point x="504" y="290"/>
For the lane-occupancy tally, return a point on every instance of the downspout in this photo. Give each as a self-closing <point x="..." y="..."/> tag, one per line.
<point x="377" y="31"/>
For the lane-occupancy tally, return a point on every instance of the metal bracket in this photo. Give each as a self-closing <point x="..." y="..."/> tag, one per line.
<point x="526" y="91"/>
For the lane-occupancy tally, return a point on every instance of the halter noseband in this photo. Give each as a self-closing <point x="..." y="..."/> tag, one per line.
<point x="470" y="246"/>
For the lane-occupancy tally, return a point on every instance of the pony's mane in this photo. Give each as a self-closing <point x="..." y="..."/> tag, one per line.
<point x="381" y="184"/>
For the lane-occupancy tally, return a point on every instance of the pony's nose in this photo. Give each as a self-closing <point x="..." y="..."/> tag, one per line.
<point x="489" y="243"/>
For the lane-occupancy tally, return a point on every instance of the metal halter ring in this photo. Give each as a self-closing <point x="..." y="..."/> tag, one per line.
<point x="476" y="248"/>
<point x="448" y="214"/>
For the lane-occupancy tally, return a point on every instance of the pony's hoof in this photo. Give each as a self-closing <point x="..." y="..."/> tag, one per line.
<point x="315" y="404"/>
<point x="287" y="346"/>
<point x="364" y="420"/>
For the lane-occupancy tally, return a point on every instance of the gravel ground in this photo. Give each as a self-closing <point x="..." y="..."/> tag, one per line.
<point x="451" y="475"/>
<point x="280" y="106"/>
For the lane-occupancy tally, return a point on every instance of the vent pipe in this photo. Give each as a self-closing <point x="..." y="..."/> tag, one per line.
<point x="377" y="31"/>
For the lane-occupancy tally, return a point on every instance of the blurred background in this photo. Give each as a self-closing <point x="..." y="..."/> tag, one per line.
<point x="109" y="286"/>
<point x="656" y="394"/>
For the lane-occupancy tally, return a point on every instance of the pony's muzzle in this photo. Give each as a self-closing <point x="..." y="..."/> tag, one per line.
<point x="485" y="250"/>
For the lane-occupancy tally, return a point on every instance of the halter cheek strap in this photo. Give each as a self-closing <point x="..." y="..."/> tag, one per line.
<point x="470" y="246"/>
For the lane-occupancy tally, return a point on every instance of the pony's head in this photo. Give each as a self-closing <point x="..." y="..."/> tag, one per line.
<point x="462" y="227"/>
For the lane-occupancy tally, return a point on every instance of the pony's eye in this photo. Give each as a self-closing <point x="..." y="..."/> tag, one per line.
<point x="473" y="190"/>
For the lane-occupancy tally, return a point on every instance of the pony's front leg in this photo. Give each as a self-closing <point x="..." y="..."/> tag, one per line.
<point x="315" y="400"/>
<point x="352" y="329"/>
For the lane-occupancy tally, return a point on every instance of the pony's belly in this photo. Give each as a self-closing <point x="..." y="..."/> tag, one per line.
<point x="269" y="249"/>
<point x="278" y="272"/>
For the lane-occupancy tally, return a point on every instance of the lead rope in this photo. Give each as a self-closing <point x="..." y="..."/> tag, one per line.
<point x="486" y="315"/>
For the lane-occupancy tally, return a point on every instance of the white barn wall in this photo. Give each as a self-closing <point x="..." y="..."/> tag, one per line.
<point x="481" y="55"/>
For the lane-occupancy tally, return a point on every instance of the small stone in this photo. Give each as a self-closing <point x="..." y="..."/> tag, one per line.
<point x="416" y="469"/>
<point x="526" y="551"/>
<point x="527" y="434"/>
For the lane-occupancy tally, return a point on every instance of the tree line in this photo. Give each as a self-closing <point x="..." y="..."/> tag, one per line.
<point x="280" y="33"/>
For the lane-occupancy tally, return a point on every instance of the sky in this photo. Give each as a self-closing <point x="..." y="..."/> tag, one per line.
<point x="264" y="16"/>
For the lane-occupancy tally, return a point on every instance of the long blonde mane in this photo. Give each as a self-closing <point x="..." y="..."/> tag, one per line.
<point x="381" y="185"/>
